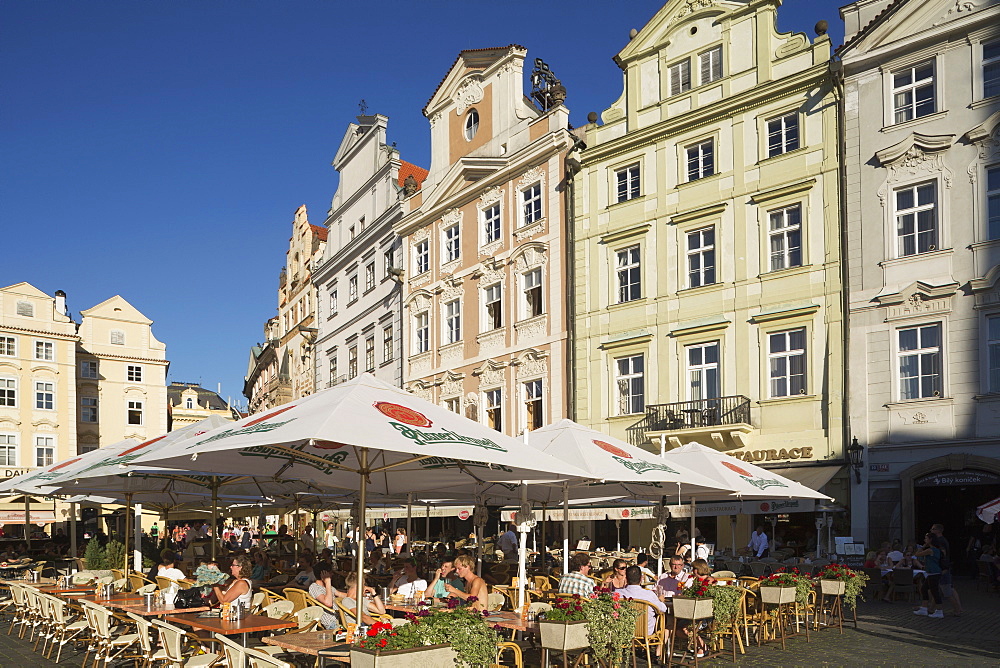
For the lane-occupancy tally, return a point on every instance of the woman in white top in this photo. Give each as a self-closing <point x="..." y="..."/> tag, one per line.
<point x="169" y="570"/>
<point x="400" y="542"/>
<point x="239" y="591"/>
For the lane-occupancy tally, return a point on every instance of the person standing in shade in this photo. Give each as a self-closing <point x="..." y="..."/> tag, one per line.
<point x="931" y="553"/>
<point x="154" y="532"/>
<point x="759" y="544"/>
<point x="508" y="544"/>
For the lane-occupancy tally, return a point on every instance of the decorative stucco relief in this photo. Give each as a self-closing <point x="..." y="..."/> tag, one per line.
<point x="421" y="234"/>
<point x="420" y="365"/>
<point x="533" y="366"/>
<point x="468" y="94"/>
<point x="450" y="217"/>
<point x="492" y="377"/>
<point x="689" y="7"/>
<point x="530" y="177"/>
<point x="490" y="342"/>
<point x="531" y="257"/>
<point x="916" y="156"/>
<point x="491" y="248"/>
<point x="489" y="275"/>
<point x="529" y="231"/>
<point x="532" y="329"/>
<point x="490" y="196"/>
<point x="451" y="354"/>
<point x="452" y="387"/>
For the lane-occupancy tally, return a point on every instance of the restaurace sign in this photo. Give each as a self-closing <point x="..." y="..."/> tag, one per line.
<point x="773" y="455"/>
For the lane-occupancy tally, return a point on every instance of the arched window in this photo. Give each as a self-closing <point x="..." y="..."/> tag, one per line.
<point x="471" y="124"/>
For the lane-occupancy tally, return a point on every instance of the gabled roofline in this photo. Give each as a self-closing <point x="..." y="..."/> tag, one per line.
<point x="462" y="54"/>
<point x="879" y="19"/>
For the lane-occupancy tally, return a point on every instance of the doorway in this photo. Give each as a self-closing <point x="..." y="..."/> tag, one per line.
<point x="954" y="506"/>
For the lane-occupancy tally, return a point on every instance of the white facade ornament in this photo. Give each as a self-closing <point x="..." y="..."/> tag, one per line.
<point x="490" y="276"/>
<point x="453" y="290"/>
<point x="912" y="164"/>
<point x="533" y="366"/>
<point x="529" y="231"/>
<point x="490" y="196"/>
<point x="490" y="249"/>
<point x="472" y="406"/>
<point x="690" y="7"/>
<point x="451" y="217"/>
<point x="451" y="387"/>
<point x="491" y="341"/>
<point x="421" y="234"/>
<point x="451" y="354"/>
<point x="419" y="302"/>
<point x="418" y="390"/>
<point x="531" y="329"/>
<point x="420" y="365"/>
<point x="531" y="257"/>
<point x="530" y="177"/>
<point x="468" y="94"/>
<point x="493" y="376"/>
<point x="434" y="118"/>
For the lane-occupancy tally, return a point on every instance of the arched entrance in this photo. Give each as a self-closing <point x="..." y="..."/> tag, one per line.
<point x="947" y="490"/>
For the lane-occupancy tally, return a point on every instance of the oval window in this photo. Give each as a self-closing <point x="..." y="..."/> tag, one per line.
<point x="471" y="124"/>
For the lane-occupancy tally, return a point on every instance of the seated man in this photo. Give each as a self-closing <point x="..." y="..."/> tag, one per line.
<point x="576" y="581"/>
<point x="642" y="561"/>
<point x="672" y="583"/>
<point x="633" y="576"/>
<point x="407" y="582"/>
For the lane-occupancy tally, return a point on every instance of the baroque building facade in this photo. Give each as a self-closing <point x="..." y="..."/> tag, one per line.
<point x="484" y="249"/>
<point x="359" y="326"/>
<point x="188" y="403"/>
<point x="282" y="368"/>
<point x="707" y="245"/>
<point x="68" y="387"/>
<point x="922" y="159"/>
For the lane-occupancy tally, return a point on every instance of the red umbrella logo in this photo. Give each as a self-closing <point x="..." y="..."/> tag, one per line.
<point x="141" y="445"/>
<point x="736" y="469"/>
<point x="607" y="447"/>
<point x="402" y="414"/>
<point x="764" y="507"/>
<point x="269" y="415"/>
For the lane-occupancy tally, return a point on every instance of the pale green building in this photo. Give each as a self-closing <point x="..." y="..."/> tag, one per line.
<point x="707" y="249"/>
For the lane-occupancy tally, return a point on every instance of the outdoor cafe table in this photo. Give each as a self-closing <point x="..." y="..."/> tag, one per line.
<point x="310" y="642"/>
<point x="227" y="627"/>
<point x="44" y="582"/>
<point x="62" y="589"/>
<point x="158" y="610"/>
<point x="503" y="618"/>
<point x="94" y="598"/>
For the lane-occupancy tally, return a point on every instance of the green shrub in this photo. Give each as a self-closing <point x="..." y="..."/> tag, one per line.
<point x="114" y="555"/>
<point x="94" y="554"/>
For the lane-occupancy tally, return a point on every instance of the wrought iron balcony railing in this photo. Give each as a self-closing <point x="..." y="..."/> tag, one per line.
<point x="720" y="411"/>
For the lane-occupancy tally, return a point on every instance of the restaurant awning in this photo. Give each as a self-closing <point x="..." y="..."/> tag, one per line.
<point x="813" y="477"/>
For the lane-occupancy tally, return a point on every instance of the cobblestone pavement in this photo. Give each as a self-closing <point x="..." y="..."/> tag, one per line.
<point x="888" y="635"/>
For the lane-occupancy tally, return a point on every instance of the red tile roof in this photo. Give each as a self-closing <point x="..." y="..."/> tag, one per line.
<point x="320" y="231"/>
<point x="407" y="168"/>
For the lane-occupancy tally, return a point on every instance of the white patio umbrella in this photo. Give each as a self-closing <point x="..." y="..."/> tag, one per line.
<point x="988" y="511"/>
<point x="365" y="433"/>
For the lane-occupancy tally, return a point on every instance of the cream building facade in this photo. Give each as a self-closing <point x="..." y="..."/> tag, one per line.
<point x="189" y="403"/>
<point x="282" y="368"/>
<point x="358" y="282"/>
<point x="708" y="304"/>
<point x="484" y="250"/>
<point x="922" y="161"/>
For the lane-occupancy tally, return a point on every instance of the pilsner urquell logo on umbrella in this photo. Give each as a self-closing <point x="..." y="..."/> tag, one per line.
<point x="760" y="483"/>
<point x="253" y="427"/>
<point x="408" y="422"/>
<point x="626" y="460"/>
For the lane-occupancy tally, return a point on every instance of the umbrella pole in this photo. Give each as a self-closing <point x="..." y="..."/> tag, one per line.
<point x="295" y="525"/>
<point x="128" y="516"/>
<point x="427" y="525"/>
<point x="137" y="538"/>
<point x="359" y="594"/>
<point x="544" y="513"/>
<point x="166" y="528"/>
<point x="409" y="521"/>
<point x="27" y="522"/>
<point x="72" y="530"/>
<point x="565" y="553"/>
<point x="692" y="528"/>
<point x="522" y="551"/>
<point x="215" y="513"/>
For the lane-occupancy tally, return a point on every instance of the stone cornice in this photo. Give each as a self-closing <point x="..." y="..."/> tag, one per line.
<point x="782" y="191"/>
<point x="699" y="213"/>
<point x="634" y="231"/>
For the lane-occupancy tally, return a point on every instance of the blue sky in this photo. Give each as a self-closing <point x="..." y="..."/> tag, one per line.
<point x="159" y="149"/>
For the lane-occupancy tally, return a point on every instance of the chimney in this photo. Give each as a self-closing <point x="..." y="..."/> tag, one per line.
<point x="60" y="302"/>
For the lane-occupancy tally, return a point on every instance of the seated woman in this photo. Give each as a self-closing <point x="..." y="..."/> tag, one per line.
<point x="323" y="591"/>
<point x="883" y="561"/>
<point x="870" y="560"/>
<point x="373" y="604"/>
<point x="616" y="578"/>
<point x="306" y="575"/>
<point x="261" y="566"/>
<point x="407" y="582"/>
<point x="475" y="586"/>
<point x="702" y="572"/>
<point x="445" y="575"/>
<point x="909" y="561"/>
<point x="240" y="590"/>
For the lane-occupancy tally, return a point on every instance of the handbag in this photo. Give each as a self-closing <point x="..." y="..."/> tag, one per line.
<point x="188" y="598"/>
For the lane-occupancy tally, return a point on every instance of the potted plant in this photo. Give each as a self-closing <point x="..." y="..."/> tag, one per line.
<point x="694" y="602"/>
<point x="726" y="603"/>
<point x="458" y="636"/>
<point x="839" y="580"/>
<point x="564" y="627"/>
<point x="610" y="626"/>
<point x="784" y="586"/>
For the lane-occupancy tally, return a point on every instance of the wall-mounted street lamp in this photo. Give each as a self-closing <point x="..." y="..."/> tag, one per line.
<point x="856" y="456"/>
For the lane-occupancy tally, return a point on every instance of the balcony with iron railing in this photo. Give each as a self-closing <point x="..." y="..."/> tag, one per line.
<point x="716" y="418"/>
<point x="337" y="380"/>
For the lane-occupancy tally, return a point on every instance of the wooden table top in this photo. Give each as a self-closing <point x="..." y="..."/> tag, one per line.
<point x="44" y="582"/>
<point x="249" y="624"/>
<point x="94" y="598"/>
<point x="62" y="589"/>
<point x="140" y="609"/>
<point x="310" y="642"/>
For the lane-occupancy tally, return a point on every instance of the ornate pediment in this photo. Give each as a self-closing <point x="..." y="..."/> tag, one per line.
<point x="918" y="298"/>
<point x="532" y="363"/>
<point x="419" y="301"/>
<point x="986" y="137"/>
<point x="470" y="92"/>
<point x="916" y="156"/>
<point x="530" y="256"/>
<point x="491" y="373"/>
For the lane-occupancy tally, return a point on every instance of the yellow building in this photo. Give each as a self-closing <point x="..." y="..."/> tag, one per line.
<point x="189" y="403"/>
<point x="708" y="244"/>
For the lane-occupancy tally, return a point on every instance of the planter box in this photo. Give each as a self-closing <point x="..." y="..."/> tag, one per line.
<point x="777" y="595"/>
<point x="832" y="587"/>
<point x="564" y="636"/>
<point x="432" y="656"/>
<point x="692" y="608"/>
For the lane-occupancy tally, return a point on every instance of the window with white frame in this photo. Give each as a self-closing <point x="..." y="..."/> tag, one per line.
<point x="993" y="201"/>
<point x="454" y="404"/>
<point x="993" y="352"/>
<point x="919" y="361"/>
<point x="627" y="183"/>
<point x="369" y="276"/>
<point x="913" y="92"/>
<point x="189" y="402"/>
<point x="494" y="408"/>
<point x="370" y="353"/>
<point x="334" y="371"/>
<point x="352" y="361"/>
<point x="134" y="413"/>
<point x="916" y="219"/>
<point x="453" y="242"/>
<point x="25" y="309"/>
<point x="631" y="385"/>
<point x="422" y="256"/>
<point x="531" y="290"/>
<point x="703" y="371"/>
<point x="45" y="394"/>
<point x="491" y="223"/>
<point x="700" y="160"/>
<point x="133" y="373"/>
<point x="117" y="337"/>
<point x="710" y="64"/>
<point x="45" y="450"/>
<point x="991" y="68"/>
<point x="492" y="298"/>
<point x="388" y="257"/>
<point x="8" y="449"/>
<point x="8" y="392"/>
<point x="531" y="203"/>
<point x="471" y="124"/>
<point x="334" y="306"/>
<point x="680" y="77"/>
<point x="88" y="409"/>
<point x="422" y="332"/>
<point x="352" y="289"/>
<point x="629" y="274"/>
<point x="88" y="369"/>
<point x="388" y="349"/>
<point x="350" y="233"/>
<point x="8" y="346"/>
<point x="785" y="237"/>
<point x="44" y="350"/>
<point x="782" y="134"/>
<point x="453" y="321"/>
<point x="786" y="359"/>
<point x="533" y="410"/>
<point x="701" y="257"/>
